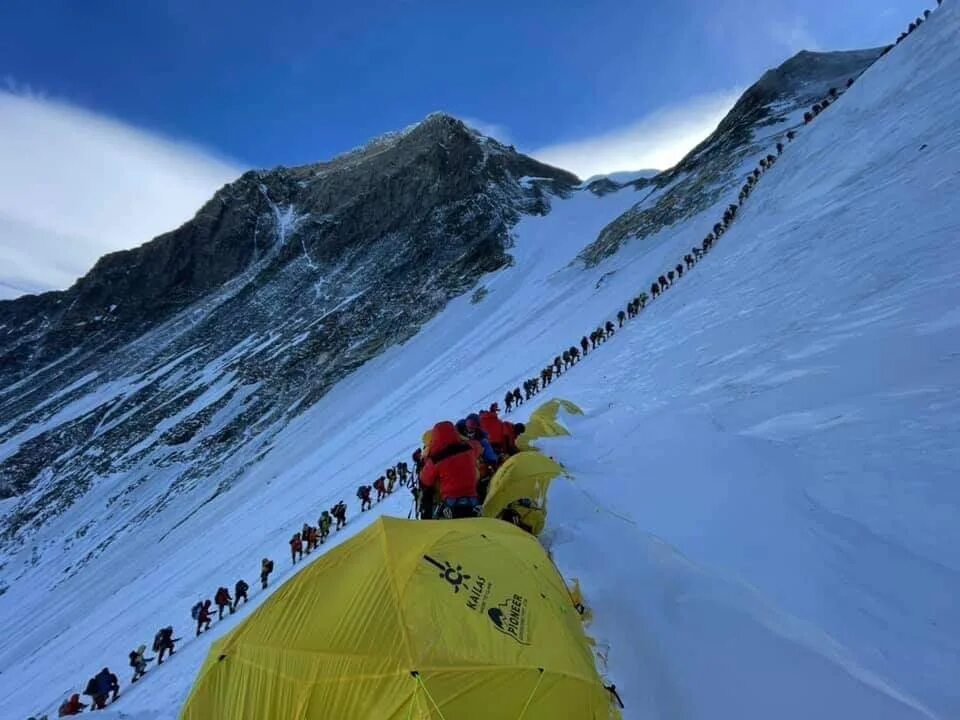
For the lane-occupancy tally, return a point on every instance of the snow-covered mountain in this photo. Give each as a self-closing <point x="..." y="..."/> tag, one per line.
<point x="174" y="364"/>
<point x="768" y="458"/>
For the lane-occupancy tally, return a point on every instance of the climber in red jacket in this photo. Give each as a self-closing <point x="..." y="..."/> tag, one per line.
<point x="493" y="427"/>
<point x="451" y="469"/>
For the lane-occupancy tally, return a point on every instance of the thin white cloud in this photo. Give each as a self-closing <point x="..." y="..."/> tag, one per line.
<point x="492" y="130"/>
<point x="793" y="35"/>
<point x="75" y="185"/>
<point x="659" y="140"/>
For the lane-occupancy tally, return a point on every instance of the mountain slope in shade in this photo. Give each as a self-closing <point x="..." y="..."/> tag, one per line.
<point x="764" y="508"/>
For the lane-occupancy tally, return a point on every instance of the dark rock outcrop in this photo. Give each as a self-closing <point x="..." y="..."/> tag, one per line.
<point x="709" y="171"/>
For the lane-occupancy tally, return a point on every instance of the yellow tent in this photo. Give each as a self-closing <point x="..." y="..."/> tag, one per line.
<point x="526" y="475"/>
<point x="543" y="422"/>
<point x="438" y="620"/>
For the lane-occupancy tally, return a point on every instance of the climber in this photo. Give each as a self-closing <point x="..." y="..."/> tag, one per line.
<point x="71" y="707"/>
<point x="340" y="513"/>
<point x="558" y="365"/>
<point x="511" y="431"/>
<point x="517" y="397"/>
<point x="380" y="486"/>
<point x="807" y="118"/>
<point x="779" y="148"/>
<point x="223" y="600"/>
<point x="311" y="538"/>
<point x="99" y="688"/>
<point x="565" y="357"/>
<point x="391" y="480"/>
<point x="621" y="317"/>
<point x="403" y="471"/>
<point x="239" y="593"/>
<point x="296" y="548"/>
<point x="138" y="662"/>
<point x="472" y="429"/>
<point x="654" y="289"/>
<point x="508" y="401"/>
<point x="688" y="259"/>
<point x="163" y="642"/>
<point x="363" y="493"/>
<point x="324" y="522"/>
<point x="609" y="328"/>
<point x="670" y="275"/>
<point x="492" y="427"/>
<point x="451" y="468"/>
<point x="417" y="458"/>
<point x="266" y="567"/>
<point x="574" y="354"/>
<point x="663" y="283"/>
<point x="202" y="614"/>
<point x="593" y="340"/>
<point x="679" y="269"/>
<point x="584" y="344"/>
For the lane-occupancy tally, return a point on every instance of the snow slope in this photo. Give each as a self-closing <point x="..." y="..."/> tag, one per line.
<point x="764" y="511"/>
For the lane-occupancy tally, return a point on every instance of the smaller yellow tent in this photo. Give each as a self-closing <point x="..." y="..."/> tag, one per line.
<point x="525" y="476"/>
<point x="410" y="620"/>
<point x="543" y="422"/>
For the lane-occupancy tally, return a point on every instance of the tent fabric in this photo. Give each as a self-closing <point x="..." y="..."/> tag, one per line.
<point x="543" y="422"/>
<point x="524" y="475"/>
<point x="438" y="620"/>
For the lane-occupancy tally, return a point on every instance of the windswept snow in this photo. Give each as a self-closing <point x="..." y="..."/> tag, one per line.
<point x="764" y="512"/>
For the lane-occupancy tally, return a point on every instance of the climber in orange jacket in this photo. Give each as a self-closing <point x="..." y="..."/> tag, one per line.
<point x="451" y="470"/>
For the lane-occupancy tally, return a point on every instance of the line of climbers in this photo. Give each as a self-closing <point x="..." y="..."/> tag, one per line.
<point x="570" y="357"/>
<point x="384" y="485"/>
<point x="916" y="24"/>
<point x="452" y="480"/>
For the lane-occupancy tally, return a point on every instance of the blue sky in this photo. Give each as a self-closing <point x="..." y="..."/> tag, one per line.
<point x="249" y="83"/>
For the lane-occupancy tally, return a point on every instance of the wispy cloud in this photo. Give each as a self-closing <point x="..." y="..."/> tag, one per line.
<point x="75" y="185"/>
<point x="792" y="35"/>
<point x="659" y="140"/>
<point x="493" y="130"/>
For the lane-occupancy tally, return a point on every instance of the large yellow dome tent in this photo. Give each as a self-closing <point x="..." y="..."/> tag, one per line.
<point x="438" y="620"/>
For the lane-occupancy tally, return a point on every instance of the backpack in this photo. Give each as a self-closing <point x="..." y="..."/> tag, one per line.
<point x="270" y="566"/>
<point x="195" y="611"/>
<point x="156" y="642"/>
<point x="134" y="659"/>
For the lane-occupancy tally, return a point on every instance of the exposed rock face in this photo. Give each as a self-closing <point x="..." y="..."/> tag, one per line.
<point x="188" y="351"/>
<point x="762" y="115"/>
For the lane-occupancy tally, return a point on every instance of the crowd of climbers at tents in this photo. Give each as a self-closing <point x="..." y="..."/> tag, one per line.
<point x="451" y="479"/>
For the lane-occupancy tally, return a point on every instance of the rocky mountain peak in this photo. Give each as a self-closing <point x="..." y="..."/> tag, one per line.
<point x="169" y="361"/>
<point x="710" y="171"/>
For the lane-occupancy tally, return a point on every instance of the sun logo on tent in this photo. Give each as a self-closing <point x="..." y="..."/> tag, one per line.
<point x="453" y="575"/>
